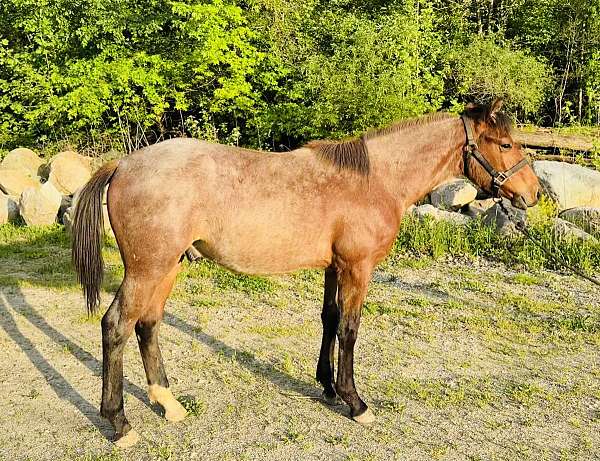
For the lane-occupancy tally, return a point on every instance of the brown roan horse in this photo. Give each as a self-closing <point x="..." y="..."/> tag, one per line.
<point x="335" y="205"/>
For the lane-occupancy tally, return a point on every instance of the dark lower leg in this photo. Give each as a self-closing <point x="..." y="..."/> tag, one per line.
<point x="147" y="333"/>
<point x="353" y="289"/>
<point x="345" y="385"/>
<point x="329" y="318"/>
<point x="115" y="332"/>
<point x="147" y="336"/>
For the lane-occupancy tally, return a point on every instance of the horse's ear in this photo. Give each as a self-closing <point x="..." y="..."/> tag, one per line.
<point x="494" y="108"/>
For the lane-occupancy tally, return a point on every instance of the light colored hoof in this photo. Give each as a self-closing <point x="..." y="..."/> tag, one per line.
<point x="174" y="411"/>
<point x="128" y="440"/>
<point x="366" y="418"/>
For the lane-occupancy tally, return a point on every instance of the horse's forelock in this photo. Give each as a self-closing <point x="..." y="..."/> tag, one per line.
<point x="500" y="124"/>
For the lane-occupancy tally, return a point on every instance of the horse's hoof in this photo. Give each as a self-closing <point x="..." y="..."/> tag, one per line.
<point x="365" y="418"/>
<point x="174" y="411"/>
<point x="330" y="400"/>
<point x="128" y="440"/>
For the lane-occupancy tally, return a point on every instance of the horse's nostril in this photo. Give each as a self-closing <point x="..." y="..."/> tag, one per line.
<point x="539" y="194"/>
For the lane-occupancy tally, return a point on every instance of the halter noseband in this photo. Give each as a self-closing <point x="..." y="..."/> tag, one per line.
<point x="472" y="150"/>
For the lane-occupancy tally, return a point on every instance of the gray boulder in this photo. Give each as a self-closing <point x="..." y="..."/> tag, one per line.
<point x="586" y="218"/>
<point x="436" y="214"/>
<point x="565" y="230"/>
<point x="496" y="217"/>
<point x="570" y="185"/>
<point x="9" y="209"/>
<point x="453" y="195"/>
<point x="13" y="181"/>
<point x="67" y="220"/>
<point x="478" y="207"/>
<point x="68" y="171"/>
<point x="68" y="215"/>
<point x="23" y="159"/>
<point x="40" y="205"/>
<point x="65" y="204"/>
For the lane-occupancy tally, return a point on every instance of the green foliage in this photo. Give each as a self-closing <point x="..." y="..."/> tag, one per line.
<point x="482" y="68"/>
<point x="359" y="72"/>
<point x="109" y="68"/>
<point x="567" y="34"/>
<point x="224" y="279"/>
<point x="116" y="74"/>
<point x="193" y="405"/>
<point x="439" y="238"/>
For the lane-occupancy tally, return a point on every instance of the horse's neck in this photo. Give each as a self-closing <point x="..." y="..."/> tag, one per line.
<point x="412" y="161"/>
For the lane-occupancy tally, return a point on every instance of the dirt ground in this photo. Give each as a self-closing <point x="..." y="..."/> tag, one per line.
<point x="458" y="359"/>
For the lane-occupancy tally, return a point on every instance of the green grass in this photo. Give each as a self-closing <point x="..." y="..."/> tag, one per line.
<point x="223" y="279"/>
<point x="526" y="279"/>
<point x="193" y="405"/>
<point x="436" y="239"/>
<point x="516" y="348"/>
<point x="41" y="256"/>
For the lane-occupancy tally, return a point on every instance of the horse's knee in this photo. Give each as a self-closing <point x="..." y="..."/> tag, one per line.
<point x="144" y="330"/>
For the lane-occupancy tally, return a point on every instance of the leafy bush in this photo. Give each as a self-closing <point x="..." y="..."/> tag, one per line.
<point x="107" y="67"/>
<point x="261" y="73"/>
<point x="369" y="73"/>
<point x="482" y="69"/>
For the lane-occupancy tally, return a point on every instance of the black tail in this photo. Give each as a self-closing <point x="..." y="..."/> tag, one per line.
<point x="88" y="230"/>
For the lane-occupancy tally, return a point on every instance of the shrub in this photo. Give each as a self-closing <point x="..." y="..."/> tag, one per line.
<point x="483" y="69"/>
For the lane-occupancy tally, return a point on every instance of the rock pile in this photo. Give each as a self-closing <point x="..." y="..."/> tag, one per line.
<point x="574" y="189"/>
<point x="38" y="192"/>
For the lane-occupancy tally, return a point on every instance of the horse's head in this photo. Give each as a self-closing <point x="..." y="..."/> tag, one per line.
<point x="493" y="160"/>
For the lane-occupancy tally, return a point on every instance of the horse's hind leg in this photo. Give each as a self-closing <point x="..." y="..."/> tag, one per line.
<point x="134" y="295"/>
<point x="146" y="330"/>
<point x="117" y="325"/>
<point x="330" y="319"/>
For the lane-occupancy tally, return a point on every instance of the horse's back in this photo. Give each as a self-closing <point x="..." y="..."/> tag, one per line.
<point x="240" y="205"/>
<point x="251" y="211"/>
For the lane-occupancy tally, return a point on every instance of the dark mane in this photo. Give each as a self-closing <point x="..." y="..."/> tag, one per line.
<point x="352" y="154"/>
<point x="346" y="155"/>
<point x="409" y="123"/>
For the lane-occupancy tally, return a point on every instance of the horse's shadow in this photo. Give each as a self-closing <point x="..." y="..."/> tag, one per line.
<point x="256" y="366"/>
<point x="59" y="384"/>
<point x="13" y="304"/>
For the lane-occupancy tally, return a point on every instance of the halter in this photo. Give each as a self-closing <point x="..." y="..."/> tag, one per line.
<point x="472" y="150"/>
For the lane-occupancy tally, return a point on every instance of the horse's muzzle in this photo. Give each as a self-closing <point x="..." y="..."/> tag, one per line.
<point x="519" y="202"/>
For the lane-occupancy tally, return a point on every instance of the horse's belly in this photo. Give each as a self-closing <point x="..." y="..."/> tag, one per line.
<point x="253" y="253"/>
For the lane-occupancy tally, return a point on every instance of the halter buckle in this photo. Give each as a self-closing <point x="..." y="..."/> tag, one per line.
<point x="500" y="178"/>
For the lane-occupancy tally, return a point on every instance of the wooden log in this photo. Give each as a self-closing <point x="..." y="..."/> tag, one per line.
<point x="546" y="139"/>
<point x="563" y="158"/>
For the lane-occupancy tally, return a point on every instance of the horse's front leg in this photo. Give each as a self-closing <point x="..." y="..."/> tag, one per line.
<point x="329" y="318"/>
<point x="354" y="280"/>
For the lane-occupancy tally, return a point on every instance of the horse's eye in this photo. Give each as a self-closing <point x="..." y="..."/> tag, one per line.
<point x="506" y="146"/>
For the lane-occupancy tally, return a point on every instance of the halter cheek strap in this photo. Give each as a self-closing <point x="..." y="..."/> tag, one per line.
<point x="472" y="150"/>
